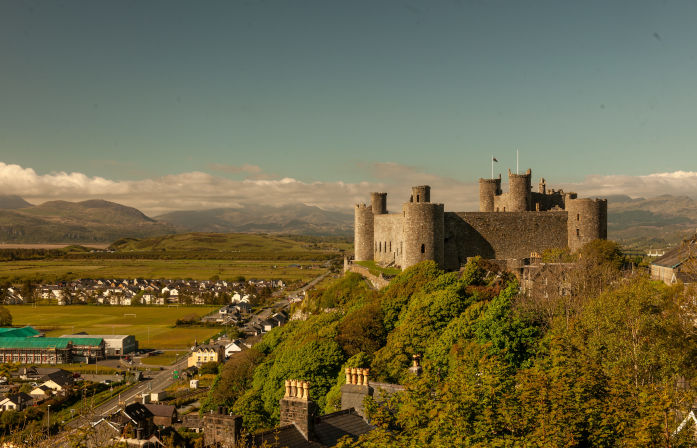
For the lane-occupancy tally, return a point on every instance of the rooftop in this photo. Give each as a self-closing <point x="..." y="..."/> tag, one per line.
<point x="24" y="332"/>
<point x="15" y="342"/>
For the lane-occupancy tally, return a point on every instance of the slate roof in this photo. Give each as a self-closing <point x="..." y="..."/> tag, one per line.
<point x="333" y="427"/>
<point x="161" y="410"/>
<point x="675" y="256"/>
<point x="286" y="436"/>
<point x="328" y="430"/>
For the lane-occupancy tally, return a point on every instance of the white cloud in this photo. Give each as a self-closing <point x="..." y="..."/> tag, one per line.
<point x="678" y="183"/>
<point x="198" y="190"/>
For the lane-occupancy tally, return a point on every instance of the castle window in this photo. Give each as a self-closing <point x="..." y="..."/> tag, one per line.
<point x="578" y="232"/>
<point x="417" y="198"/>
<point x="390" y="246"/>
<point x="578" y="216"/>
<point x="423" y="248"/>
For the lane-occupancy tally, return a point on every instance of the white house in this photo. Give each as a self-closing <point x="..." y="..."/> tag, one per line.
<point x="233" y="347"/>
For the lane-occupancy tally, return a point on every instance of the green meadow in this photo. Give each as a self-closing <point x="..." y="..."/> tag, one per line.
<point x="62" y="269"/>
<point x="152" y="326"/>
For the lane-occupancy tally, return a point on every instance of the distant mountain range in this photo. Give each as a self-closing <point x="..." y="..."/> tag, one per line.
<point x="98" y="221"/>
<point x="655" y="222"/>
<point x="73" y="222"/>
<point x="640" y="223"/>
<point x="291" y="219"/>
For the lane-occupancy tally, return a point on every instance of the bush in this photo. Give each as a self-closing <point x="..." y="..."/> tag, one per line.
<point x="208" y="368"/>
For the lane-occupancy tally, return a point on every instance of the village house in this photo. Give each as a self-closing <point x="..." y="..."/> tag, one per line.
<point x="16" y="402"/>
<point x="206" y="353"/>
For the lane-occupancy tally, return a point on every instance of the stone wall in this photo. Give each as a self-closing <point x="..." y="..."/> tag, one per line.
<point x="221" y="430"/>
<point x="387" y="246"/>
<point x="501" y="235"/>
<point x="378" y="282"/>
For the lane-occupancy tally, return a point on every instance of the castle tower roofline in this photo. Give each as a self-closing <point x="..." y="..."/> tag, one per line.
<point x="528" y="173"/>
<point x="492" y="181"/>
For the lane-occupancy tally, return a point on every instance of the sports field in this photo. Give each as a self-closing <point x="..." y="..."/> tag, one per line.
<point x="53" y="270"/>
<point x="152" y="326"/>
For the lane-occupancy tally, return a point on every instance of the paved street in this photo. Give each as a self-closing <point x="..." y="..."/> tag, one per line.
<point x="160" y="381"/>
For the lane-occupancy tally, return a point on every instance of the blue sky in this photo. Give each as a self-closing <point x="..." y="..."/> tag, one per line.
<point x="328" y="91"/>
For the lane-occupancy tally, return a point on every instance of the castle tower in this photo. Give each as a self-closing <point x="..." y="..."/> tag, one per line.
<point x="422" y="193"/>
<point x="488" y="188"/>
<point x="422" y="229"/>
<point x="363" y="236"/>
<point x="587" y="221"/>
<point x="379" y="203"/>
<point x="519" y="189"/>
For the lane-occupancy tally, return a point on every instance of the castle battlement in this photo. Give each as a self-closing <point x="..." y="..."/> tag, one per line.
<point x="513" y="224"/>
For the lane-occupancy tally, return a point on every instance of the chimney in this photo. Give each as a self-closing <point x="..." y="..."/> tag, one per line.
<point x="355" y="390"/>
<point x="222" y="430"/>
<point x="297" y="408"/>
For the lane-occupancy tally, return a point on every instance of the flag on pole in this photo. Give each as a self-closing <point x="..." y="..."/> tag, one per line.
<point x="493" y="159"/>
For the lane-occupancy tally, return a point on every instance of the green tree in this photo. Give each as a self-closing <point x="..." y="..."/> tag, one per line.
<point x="5" y="317"/>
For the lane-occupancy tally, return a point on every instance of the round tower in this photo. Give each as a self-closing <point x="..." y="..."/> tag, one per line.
<point x="363" y="233"/>
<point x="422" y="233"/>
<point x="587" y="221"/>
<point x="422" y="193"/>
<point x="488" y="188"/>
<point x="519" y="188"/>
<point x="379" y="203"/>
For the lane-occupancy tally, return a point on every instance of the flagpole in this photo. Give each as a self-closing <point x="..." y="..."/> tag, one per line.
<point x="492" y="166"/>
<point x="516" y="162"/>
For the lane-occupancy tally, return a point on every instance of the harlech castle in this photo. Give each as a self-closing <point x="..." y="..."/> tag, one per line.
<point x="510" y="225"/>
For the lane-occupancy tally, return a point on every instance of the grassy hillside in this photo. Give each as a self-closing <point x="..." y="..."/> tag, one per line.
<point x="231" y="243"/>
<point x="499" y="369"/>
<point x="12" y="202"/>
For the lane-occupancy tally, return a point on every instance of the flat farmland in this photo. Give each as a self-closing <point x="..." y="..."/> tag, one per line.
<point x="56" y="269"/>
<point x="152" y="326"/>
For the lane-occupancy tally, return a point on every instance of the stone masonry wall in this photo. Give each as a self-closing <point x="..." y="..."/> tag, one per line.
<point x="501" y="235"/>
<point x="387" y="244"/>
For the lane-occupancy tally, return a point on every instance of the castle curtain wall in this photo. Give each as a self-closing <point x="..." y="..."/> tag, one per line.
<point x="502" y="235"/>
<point x="388" y="245"/>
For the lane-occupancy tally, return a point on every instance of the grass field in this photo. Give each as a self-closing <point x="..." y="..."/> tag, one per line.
<point x="153" y="327"/>
<point x="163" y="359"/>
<point x="52" y="270"/>
<point x="227" y="242"/>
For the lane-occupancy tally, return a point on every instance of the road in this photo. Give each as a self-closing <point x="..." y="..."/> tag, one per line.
<point x="157" y="383"/>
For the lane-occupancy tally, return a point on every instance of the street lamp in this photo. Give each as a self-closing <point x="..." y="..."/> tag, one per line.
<point x="48" y="425"/>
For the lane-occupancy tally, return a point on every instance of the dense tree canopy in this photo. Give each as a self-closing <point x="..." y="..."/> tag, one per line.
<point x="609" y="363"/>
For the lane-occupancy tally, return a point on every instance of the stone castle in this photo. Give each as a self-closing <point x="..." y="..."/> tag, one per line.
<point x="510" y="225"/>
